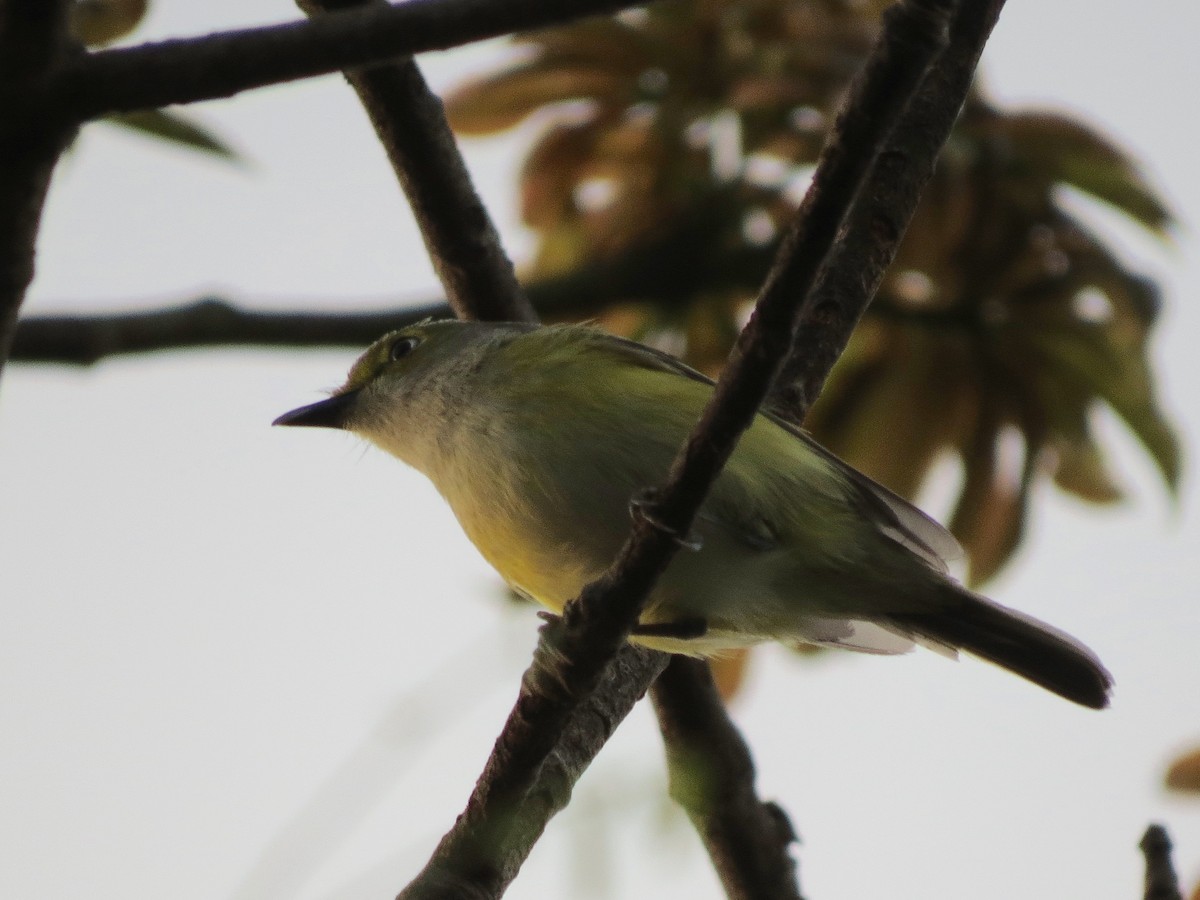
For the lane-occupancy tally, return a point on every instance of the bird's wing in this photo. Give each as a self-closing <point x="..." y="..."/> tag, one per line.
<point x="892" y="514"/>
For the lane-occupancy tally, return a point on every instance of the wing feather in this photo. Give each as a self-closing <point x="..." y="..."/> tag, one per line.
<point x="892" y="514"/>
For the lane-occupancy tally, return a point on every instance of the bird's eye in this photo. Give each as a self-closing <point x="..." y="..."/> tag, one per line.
<point x="401" y="347"/>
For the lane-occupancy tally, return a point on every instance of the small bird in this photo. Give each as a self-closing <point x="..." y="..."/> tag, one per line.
<point x="540" y="438"/>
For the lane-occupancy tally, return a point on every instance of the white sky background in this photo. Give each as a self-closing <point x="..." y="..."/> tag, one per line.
<point x="246" y="663"/>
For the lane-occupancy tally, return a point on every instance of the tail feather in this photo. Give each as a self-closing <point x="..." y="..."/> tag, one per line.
<point x="1017" y="642"/>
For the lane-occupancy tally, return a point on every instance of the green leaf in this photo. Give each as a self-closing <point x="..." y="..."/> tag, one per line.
<point x="1087" y="356"/>
<point x="1064" y="150"/>
<point x="176" y="129"/>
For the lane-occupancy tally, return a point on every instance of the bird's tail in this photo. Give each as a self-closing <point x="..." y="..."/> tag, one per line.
<point x="1016" y="642"/>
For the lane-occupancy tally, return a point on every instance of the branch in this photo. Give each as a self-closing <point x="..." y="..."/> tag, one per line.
<point x="33" y="34"/>
<point x="459" y="235"/>
<point x="712" y="778"/>
<point x="1161" y="882"/>
<point x="207" y="322"/>
<point x="479" y="863"/>
<point x="574" y="651"/>
<point x="882" y="213"/>
<point x="748" y="839"/>
<point x="645" y="271"/>
<point x="479" y="280"/>
<point x="223" y="64"/>
<point x="32" y="38"/>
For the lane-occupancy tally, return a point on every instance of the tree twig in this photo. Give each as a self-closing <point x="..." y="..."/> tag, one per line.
<point x="712" y="778"/>
<point x="459" y="235"/>
<point x="1161" y="881"/>
<point x="188" y="70"/>
<point x="646" y="271"/>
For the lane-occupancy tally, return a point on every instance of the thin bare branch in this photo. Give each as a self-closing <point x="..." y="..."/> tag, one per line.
<point x="712" y="778"/>
<point x="645" y="271"/>
<point x="226" y="63"/>
<point x="207" y="322"/>
<point x="462" y="242"/>
<point x="479" y="280"/>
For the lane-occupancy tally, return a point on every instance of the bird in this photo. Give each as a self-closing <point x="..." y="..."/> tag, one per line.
<point x="541" y="437"/>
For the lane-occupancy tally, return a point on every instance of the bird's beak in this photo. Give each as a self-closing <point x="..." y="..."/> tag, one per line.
<point x="331" y="413"/>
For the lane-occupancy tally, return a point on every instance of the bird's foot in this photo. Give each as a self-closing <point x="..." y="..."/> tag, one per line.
<point x="641" y="507"/>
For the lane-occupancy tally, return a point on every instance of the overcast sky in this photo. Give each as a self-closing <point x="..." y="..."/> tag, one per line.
<point x="238" y="662"/>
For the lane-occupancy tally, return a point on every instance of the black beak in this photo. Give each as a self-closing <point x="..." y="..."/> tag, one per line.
<point x="331" y="413"/>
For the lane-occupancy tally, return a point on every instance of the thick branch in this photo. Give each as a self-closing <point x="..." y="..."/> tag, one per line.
<point x="714" y="780"/>
<point x="883" y="210"/>
<point x="1161" y="881"/>
<point x="223" y="64"/>
<point x="32" y="39"/>
<point x="32" y="35"/>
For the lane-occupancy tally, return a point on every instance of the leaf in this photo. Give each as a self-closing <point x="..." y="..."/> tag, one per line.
<point x="99" y="22"/>
<point x="604" y="42"/>
<point x="176" y="129"/>
<point x="1065" y="150"/>
<point x="1082" y="470"/>
<point x="729" y="672"/>
<point x="918" y="395"/>
<point x="504" y="100"/>
<point x="551" y="173"/>
<point x="989" y="518"/>
<point x="1184" y="774"/>
<point x="1087" y="356"/>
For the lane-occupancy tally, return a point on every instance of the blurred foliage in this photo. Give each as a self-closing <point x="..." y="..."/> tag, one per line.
<point x="96" y="23"/>
<point x="1003" y="325"/>
<point x="1184" y="773"/>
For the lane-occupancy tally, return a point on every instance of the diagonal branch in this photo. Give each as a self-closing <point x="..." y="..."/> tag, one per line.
<point x="459" y="235"/>
<point x="881" y="215"/>
<point x="480" y="283"/>
<point x="223" y="64"/>
<point x="712" y="778"/>
<point x="570" y="657"/>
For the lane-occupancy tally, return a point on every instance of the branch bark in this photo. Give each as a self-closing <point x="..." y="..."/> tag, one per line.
<point x="645" y="271"/>
<point x="532" y="782"/>
<point x="188" y="70"/>
<point x="882" y="213"/>
<point x="459" y="235"/>
<point x="575" y="650"/>
<point x="712" y="778"/>
<point x="33" y="37"/>
<point x="1161" y="881"/>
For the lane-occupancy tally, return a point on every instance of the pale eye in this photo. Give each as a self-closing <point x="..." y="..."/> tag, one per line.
<point x="401" y="347"/>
